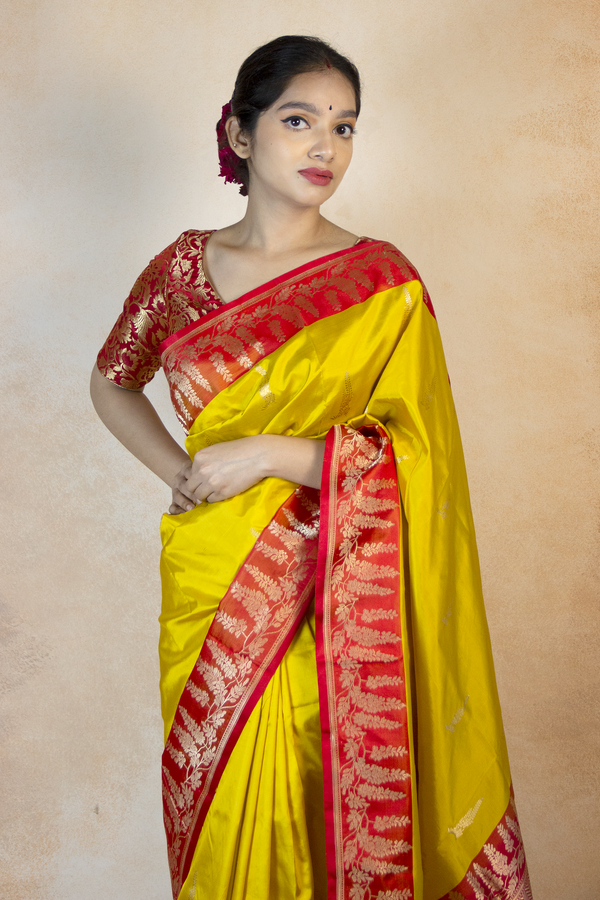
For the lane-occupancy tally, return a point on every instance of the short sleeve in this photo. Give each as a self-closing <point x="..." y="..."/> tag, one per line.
<point x="130" y="356"/>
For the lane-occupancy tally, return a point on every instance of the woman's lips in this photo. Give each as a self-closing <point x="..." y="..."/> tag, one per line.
<point x="317" y="176"/>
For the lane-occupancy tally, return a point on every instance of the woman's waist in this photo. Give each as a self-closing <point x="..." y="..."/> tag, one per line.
<point x="211" y="541"/>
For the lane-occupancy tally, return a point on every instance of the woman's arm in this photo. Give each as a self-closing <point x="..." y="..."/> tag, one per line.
<point x="132" y="419"/>
<point x="226" y="469"/>
<point x="217" y="472"/>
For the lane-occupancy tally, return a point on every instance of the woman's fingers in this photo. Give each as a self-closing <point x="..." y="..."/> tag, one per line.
<point x="181" y="485"/>
<point x="224" y="470"/>
<point x="197" y="475"/>
<point x="181" y="502"/>
<point x="184" y="499"/>
<point x="185" y="492"/>
<point x="203" y="491"/>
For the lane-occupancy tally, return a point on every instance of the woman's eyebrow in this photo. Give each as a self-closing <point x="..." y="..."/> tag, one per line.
<point x="311" y="108"/>
<point x="298" y="104"/>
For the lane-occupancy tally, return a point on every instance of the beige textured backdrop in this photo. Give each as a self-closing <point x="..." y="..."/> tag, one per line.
<point x="475" y="155"/>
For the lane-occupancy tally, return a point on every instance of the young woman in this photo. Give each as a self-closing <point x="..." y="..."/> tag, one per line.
<point x="331" y="716"/>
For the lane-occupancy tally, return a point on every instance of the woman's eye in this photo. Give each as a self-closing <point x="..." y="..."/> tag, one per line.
<point x="296" y="122"/>
<point x="344" y="130"/>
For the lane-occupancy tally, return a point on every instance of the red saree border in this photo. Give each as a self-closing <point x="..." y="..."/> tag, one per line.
<point x="360" y="665"/>
<point x="203" y="359"/>
<point x="499" y="870"/>
<point x="249" y="635"/>
<point x="325" y="550"/>
<point x="265" y="288"/>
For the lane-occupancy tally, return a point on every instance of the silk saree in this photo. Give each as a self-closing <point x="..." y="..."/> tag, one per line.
<point x="331" y="715"/>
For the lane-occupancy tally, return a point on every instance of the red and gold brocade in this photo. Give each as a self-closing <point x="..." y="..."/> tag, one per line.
<point x="171" y="292"/>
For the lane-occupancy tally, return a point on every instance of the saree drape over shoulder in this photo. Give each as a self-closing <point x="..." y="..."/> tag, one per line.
<point x="331" y="714"/>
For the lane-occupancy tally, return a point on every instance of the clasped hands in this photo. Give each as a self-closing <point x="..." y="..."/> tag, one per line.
<point x="220" y="471"/>
<point x="226" y="469"/>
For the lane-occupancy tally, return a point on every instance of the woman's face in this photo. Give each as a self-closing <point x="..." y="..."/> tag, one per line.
<point x="302" y="144"/>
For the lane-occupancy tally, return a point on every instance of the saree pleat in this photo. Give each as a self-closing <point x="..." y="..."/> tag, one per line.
<point x="264" y="833"/>
<point x="416" y="801"/>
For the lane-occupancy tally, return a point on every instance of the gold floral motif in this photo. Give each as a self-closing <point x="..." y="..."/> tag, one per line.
<point x="466" y="820"/>
<point x="264" y="389"/>
<point x="347" y="399"/>
<point x="428" y="395"/>
<point x="372" y="615"/>
<point x="446" y="618"/>
<point x="387" y="751"/>
<point x="500" y="870"/>
<point x="405" y="894"/>
<point x="382" y="822"/>
<point x="457" y="716"/>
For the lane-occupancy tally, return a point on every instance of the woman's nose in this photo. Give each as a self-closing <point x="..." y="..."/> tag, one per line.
<point x="323" y="147"/>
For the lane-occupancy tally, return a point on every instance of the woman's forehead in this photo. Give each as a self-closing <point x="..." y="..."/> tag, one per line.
<point x="321" y="90"/>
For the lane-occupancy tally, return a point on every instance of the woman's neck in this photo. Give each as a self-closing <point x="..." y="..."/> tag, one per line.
<point x="272" y="239"/>
<point x="277" y="228"/>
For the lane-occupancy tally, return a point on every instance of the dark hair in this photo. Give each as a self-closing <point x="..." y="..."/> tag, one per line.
<point x="265" y="75"/>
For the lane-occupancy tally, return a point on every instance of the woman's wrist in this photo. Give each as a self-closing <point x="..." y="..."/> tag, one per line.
<point x="292" y="458"/>
<point x="172" y="464"/>
<point x="270" y="449"/>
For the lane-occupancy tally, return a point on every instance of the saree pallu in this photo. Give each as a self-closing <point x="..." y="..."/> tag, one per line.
<point x="331" y="714"/>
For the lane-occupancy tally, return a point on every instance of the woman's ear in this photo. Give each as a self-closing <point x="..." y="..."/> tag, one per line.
<point x="238" y="141"/>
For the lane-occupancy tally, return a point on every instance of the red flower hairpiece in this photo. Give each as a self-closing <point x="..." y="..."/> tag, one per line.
<point x="228" y="160"/>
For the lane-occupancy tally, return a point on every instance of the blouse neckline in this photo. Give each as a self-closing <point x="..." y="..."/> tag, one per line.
<point x="209" y="288"/>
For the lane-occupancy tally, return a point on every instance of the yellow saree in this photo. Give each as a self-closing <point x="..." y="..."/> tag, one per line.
<point x="331" y="716"/>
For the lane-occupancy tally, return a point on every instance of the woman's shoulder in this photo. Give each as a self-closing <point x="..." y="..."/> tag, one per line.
<point x="389" y="267"/>
<point x="389" y="257"/>
<point x="192" y="240"/>
<point x="190" y="244"/>
<point x="382" y="246"/>
<point x="182" y="259"/>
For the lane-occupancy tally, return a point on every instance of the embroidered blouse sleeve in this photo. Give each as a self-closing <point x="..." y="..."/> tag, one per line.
<point x="130" y="356"/>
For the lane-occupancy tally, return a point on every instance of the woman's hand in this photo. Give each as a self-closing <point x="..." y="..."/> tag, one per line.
<point x="183" y="498"/>
<point x="224" y="470"/>
<point x="220" y="471"/>
<point x="227" y="469"/>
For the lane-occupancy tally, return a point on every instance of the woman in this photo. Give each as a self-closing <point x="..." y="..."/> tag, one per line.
<point x="331" y="716"/>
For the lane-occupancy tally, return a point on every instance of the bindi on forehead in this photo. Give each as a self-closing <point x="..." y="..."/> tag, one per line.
<point x="311" y="108"/>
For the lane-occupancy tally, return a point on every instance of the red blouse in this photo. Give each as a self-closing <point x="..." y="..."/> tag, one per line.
<point x="171" y="292"/>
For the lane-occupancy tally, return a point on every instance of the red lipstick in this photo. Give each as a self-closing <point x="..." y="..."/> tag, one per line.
<point x="317" y="176"/>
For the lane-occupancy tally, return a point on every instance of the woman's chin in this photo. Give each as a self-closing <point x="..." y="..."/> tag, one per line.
<point x="300" y="192"/>
<point x="313" y="195"/>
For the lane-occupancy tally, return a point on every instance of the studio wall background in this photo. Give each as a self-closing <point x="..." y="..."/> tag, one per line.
<point x="476" y="155"/>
